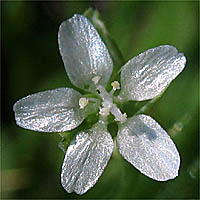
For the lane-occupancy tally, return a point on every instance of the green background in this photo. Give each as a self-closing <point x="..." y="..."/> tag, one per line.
<point x="30" y="161"/>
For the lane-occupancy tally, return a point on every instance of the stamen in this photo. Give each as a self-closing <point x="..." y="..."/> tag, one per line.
<point x="115" y="85"/>
<point x="83" y="102"/>
<point x="118" y="115"/>
<point x="104" y="112"/>
<point x="124" y="118"/>
<point x="96" y="79"/>
<point x="104" y="94"/>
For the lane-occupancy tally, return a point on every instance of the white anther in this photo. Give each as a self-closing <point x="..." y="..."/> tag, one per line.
<point x="115" y="85"/>
<point x="121" y="118"/>
<point x="104" y="112"/>
<point x="124" y="118"/>
<point x="96" y="79"/>
<point x="83" y="102"/>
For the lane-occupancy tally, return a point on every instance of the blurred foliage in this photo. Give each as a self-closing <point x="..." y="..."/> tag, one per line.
<point x="31" y="161"/>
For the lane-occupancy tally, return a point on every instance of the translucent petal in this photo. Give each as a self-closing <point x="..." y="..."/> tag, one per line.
<point x="83" y="52"/>
<point x="148" y="74"/>
<point x="86" y="158"/>
<point x="146" y="145"/>
<point x="50" y="111"/>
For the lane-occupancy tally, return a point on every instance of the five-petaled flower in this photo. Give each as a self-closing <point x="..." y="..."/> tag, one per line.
<point x="140" y="139"/>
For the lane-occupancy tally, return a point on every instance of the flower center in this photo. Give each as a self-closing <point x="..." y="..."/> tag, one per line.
<point x="107" y="105"/>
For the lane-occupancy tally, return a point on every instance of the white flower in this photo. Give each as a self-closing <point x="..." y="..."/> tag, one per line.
<point x="140" y="139"/>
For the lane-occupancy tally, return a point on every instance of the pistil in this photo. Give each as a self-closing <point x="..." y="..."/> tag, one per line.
<point x="107" y="104"/>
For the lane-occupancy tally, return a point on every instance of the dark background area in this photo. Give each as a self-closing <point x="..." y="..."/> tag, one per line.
<point x="30" y="62"/>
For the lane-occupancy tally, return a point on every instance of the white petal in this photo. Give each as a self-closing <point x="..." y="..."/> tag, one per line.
<point x="86" y="158"/>
<point x="50" y="111"/>
<point x="84" y="53"/>
<point x="146" y="145"/>
<point x="148" y="74"/>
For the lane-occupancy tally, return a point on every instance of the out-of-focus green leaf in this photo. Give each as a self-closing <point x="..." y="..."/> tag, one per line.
<point x="193" y="169"/>
<point x="180" y="124"/>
